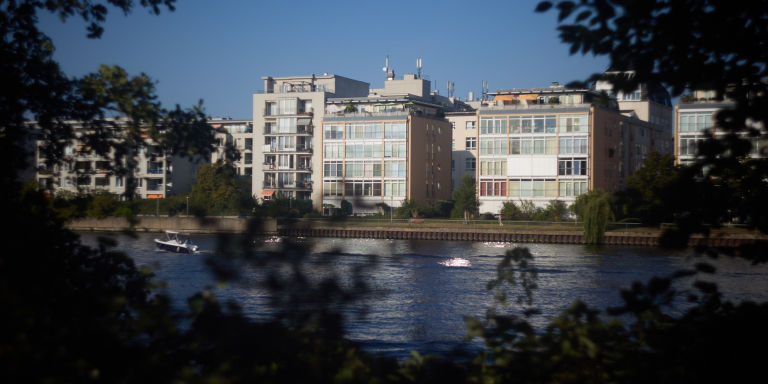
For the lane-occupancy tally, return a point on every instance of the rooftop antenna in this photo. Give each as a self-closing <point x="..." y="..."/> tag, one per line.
<point x="418" y="67"/>
<point x="390" y="73"/>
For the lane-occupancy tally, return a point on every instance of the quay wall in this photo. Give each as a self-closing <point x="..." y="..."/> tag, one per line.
<point x="176" y="223"/>
<point x="486" y="235"/>
<point x="271" y="227"/>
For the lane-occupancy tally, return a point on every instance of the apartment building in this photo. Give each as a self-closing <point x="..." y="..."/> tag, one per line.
<point x="463" y="145"/>
<point x="695" y="122"/>
<point x="157" y="173"/>
<point x="239" y="135"/>
<point x="372" y="146"/>
<point x="550" y="143"/>
<point x="285" y="114"/>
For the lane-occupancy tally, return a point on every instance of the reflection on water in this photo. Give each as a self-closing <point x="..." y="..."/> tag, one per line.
<point x="429" y="287"/>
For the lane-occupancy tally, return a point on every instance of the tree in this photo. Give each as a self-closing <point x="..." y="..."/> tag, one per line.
<point x="465" y="198"/>
<point x="528" y="210"/>
<point x="409" y="208"/>
<point x="594" y="208"/>
<point x="648" y="187"/>
<point x="443" y="208"/>
<point x="556" y="210"/>
<point x="216" y="188"/>
<point x="510" y="211"/>
<point x="102" y="204"/>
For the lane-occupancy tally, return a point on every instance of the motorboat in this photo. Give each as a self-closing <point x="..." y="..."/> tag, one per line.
<point x="174" y="242"/>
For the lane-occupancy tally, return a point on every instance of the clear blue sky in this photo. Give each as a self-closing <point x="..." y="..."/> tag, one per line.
<point x="219" y="50"/>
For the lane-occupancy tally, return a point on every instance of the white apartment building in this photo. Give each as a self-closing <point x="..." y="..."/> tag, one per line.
<point x="157" y="173"/>
<point x="285" y="114"/>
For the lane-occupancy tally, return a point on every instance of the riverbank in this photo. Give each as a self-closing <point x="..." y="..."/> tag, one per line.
<point x="518" y="234"/>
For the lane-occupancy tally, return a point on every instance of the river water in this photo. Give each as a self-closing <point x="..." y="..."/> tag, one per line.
<point x="428" y="287"/>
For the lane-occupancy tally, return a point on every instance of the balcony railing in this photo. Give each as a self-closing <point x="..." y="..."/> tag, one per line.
<point x="304" y="130"/>
<point x="248" y="147"/>
<point x="271" y="149"/>
<point x="248" y="161"/>
<point x="267" y="167"/>
<point x="293" y="185"/>
<point x="536" y="106"/>
<point x="156" y="187"/>
<point x="155" y="171"/>
<point x="304" y="167"/>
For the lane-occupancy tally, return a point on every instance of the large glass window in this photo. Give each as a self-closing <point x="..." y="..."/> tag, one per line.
<point x="491" y="146"/>
<point x="570" y="145"/>
<point x="394" y="149"/>
<point x="333" y="169"/>
<point x="532" y="187"/>
<point x="574" y="123"/>
<point x="362" y="188"/>
<point x="692" y="122"/>
<point x="493" y="125"/>
<point x="471" y="164"/>
<point x="572" y="187"/>
<point x="287" y="106"/>
<point x="493" y="188"/>
<point x="576" y="167"/>
<point x="334" y="131"/>
<point x="363" y="131"/>
<point x="394" y="130"/>
<point x="332" y="188"/>
<point x="333" y="151"/>
<point x="493" y="167"/>
<point x="545" y="145"/>
<point x="394" y="169"/>
<point x="533" y="124"/>
<point x="394" y="188"/>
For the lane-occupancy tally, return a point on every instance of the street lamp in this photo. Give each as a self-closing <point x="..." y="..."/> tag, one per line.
<point x="187" y="206"/>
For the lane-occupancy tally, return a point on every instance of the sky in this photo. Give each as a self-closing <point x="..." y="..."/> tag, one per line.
<point x="218" y="51"/>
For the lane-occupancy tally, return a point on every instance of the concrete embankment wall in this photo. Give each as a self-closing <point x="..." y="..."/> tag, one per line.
<point x="561" y="237"/>
<point x="182" y="224"/>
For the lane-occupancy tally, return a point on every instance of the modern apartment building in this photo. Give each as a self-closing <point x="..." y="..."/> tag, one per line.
<point x="463" y="145"/>
<point x="285" y="114"/>
<point x="550" y="143"/>
<point x="157" y="173"/>
<point x="372" y="146"/>
<point x="695" y="122"/>
<point x="239" y="134"/>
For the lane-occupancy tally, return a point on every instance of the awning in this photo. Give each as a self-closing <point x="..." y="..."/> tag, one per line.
<point x="154" y="196"/>
<point x="505" y="97"/>
<point x="83" y="148"/>
<point x="533" y="96"/>
<point x="303" y="121"/>
<point x="333" y="108"/>
<point x="267" y="193"/>
<point x="215" y="126"/>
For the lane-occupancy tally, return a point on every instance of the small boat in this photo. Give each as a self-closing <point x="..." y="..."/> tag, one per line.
<point x="174" y="243"/>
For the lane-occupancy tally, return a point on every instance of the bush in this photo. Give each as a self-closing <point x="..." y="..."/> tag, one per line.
<point x="487" y="216"/>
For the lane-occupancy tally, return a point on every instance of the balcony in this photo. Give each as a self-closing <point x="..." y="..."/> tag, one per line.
<point x="304" y="167"/>
<point x="268" y="167"/>
<point x="271" y="149"/>
<point x="304" y="130"/>
<point x="248" y="147"/>
<point x="306" y="185"/>
<point x="155" y="171"/>
<point x="156" y="187"/>
<point x="248" y="161"/>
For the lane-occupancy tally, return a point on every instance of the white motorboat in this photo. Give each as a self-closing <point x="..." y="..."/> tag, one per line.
<point x="174" y="242"/>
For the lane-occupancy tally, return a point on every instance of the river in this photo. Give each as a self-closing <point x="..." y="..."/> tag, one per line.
<point x="427" y="288"/>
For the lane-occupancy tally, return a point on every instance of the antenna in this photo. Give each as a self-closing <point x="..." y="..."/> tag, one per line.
<point x="418" y="67"/>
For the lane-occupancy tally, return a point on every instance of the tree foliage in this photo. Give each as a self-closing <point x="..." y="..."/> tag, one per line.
<point x="556" y="210"/>
<point x="649" y="186"/>
<point x="409" y="208"/>
<point x="594" y="208"/>
<point x="216" y="188"/>
<point x="465" y="198"/>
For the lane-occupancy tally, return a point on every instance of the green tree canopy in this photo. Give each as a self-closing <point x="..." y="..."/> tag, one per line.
<point x="649" y="186"/>
<point x="594" y="208"/>
<point x="465" y="198"/>
<point x="216" y="188"/>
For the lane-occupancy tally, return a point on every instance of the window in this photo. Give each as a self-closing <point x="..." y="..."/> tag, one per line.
<point x="332" y="169"/>
<point x="572" y="187"/>
<point x="439" y="149"/>
<point x="333" y="151"/>
<point x="68" y="182"/>
<point x="493" y="126"/>
<point x="439" y="131"/>
<point x="493" y="188"/>
<point x="688" y="145"/>
<point x="270" y="109"/>
<point x="334" y="131"/>
<point x="453" y="125"/>
<point x="692" y="122"/>
<point x="576" y="167"/>
<point x="492" y="146"/>
<point x="362" y="188"/>
<point x="286" y="125"/>
<point x="545" y="145"/>
<point x="471" y="125"/>
<point x="471" y="143"/>
<point x="363" y="131"/>
<point x="533" y="124"/>
<point x="574" y="123"/>
<point x="394" y="169"/>
<point x="570" y="145"/>
<point x="471" y="164"/>
<point x="453" y="145"/>
<point x="453" y="165"/>
<point x="363" y="169"/>
<point x="394" y="188"/>
<point x="493" y="167"/>
<point x="532" y="188"/>
<point x="332" y="187"/>
<point x="394" y="149"/>
<point x="287" y="106"/>
<point x="360" y="150"/>
<point x="394" y="130"/>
